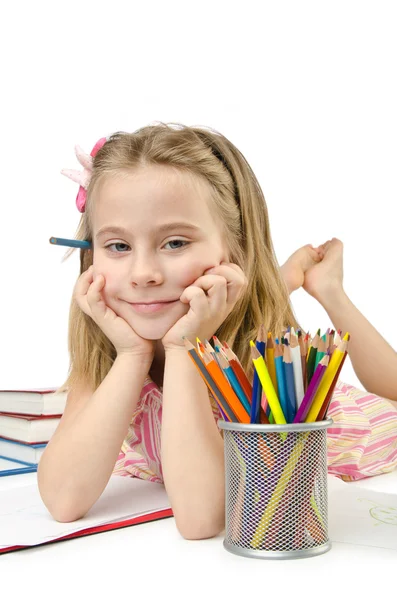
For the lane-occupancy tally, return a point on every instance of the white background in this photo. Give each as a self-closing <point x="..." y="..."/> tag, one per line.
<point x="306" y="90"/>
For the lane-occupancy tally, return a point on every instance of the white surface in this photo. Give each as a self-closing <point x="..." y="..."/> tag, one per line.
<point x="153" y="559"/>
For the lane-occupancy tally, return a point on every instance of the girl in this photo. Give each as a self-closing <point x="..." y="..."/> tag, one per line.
<point x="181" y="246"/>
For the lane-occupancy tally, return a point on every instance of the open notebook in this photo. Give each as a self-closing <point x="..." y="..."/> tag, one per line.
<point x="25" y="522"/>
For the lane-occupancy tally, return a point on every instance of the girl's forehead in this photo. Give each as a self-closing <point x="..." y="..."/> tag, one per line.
<point x="154" y="192"/>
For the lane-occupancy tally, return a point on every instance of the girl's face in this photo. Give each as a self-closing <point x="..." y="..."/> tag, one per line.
<point x="154" y="234"/>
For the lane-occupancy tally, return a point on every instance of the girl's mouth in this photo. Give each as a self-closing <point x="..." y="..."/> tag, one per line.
<point x="153" y="307"/>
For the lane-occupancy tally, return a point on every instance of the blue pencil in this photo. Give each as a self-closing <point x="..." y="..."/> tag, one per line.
<point x="71" y="243"/>
<point x="281" y="384"/>
<point x="290" y="383"/>
<point x="228" y="371"/>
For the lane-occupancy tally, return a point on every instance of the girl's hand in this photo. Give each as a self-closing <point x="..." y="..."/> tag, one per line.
<point x="211" y="298"/>
<point x="294" y="269"/>
<point x="325" y="280"/>
<point x="88" y="295"/>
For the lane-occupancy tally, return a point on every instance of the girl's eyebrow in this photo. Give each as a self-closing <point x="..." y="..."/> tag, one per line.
<point x="161" y="229"/>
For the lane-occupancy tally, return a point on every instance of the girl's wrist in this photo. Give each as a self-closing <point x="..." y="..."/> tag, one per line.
<point x="135" y="357"/>
<point x="174" y="349"/>
<point x="331" y="296"/>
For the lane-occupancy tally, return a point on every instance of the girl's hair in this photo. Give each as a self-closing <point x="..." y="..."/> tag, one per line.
<point x="240" y="204"/>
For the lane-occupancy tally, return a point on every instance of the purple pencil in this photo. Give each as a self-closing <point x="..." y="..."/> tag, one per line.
<point x="311" y="390"/>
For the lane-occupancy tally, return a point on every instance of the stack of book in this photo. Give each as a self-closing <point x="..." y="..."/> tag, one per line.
<point x="28" y="419"/>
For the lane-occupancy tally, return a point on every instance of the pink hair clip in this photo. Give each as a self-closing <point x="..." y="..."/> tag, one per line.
<point x="83" y="177"/>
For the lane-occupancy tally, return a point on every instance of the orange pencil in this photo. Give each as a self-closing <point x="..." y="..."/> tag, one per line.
<point x="211" y="384"/>
<point x="225" y="388"/>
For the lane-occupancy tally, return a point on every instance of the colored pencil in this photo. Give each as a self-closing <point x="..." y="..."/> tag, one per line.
<point x="289" y="383"/>
<point x="211" y="384"/>
<point x="257" y="386"/>
<point x="323" y="410"/>
<point x="297" y="367"/>
<point x="226" y="368"/>
<point x="83" y="244"/>
<point x="239" y="372"/>
<point x="225" y="388"/>
<point x="263" y="374"/>
<point x="321" y="350"/>
<point x="270" y="361"/>
<point x="326" y="381"/>
<point x="281" y="383"/>
<point x="311" y="357"/>
<point x="311" y="390"/>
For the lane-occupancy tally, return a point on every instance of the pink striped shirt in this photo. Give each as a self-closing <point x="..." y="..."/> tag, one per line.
<point x="361" y="442"/>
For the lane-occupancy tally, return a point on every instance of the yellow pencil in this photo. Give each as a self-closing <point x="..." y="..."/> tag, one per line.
<point x="328" y="377"/>
<point x="267" y="385"/>
<point x="270" y="361"/>
<point x="260" y="531"/>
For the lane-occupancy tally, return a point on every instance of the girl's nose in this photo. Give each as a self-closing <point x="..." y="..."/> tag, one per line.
<point x="145" y="271"/>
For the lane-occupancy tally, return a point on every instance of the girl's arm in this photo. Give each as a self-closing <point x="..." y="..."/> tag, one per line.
<point x="373" y="359"/>
<point x="192" y="450"/>
<point x="320" y="272"/>
<point x="80" y="457"/>
<point x="192" y="447"/>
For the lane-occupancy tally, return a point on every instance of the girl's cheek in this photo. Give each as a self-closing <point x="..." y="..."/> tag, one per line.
<point x="190" y="273"/>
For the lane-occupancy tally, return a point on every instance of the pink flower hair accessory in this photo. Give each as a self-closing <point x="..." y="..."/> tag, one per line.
<point x="83" y="177"/>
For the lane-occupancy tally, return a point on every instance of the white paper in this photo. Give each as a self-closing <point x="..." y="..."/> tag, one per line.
<point x="361" y="516"/>
<point x="25" y="521"/>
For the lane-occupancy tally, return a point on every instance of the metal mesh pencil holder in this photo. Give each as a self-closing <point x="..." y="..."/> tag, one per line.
<point x="276" y="489"/>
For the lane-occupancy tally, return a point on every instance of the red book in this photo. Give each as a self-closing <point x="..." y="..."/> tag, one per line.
<point x="27" y="428"/>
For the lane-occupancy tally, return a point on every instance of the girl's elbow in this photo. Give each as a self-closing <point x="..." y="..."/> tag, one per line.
<point x="195" y="528"/>
<point x="64" y="510"/>
<point x="61" y="506"/>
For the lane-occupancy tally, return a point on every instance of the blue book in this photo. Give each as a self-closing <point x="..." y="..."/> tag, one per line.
<point x="14" y="467"/>
<point x="21" y="452"/>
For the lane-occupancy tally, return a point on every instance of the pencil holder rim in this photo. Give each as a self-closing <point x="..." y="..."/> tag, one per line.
<point x="289" y="427"/>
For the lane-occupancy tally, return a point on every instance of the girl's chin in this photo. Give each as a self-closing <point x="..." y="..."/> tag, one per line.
<point x="150" y="330"/>
<point x="150" y="333"/>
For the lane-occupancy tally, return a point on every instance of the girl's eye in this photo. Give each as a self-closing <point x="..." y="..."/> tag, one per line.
<point x="176" y="244"/>
<point x="121" y="247"/>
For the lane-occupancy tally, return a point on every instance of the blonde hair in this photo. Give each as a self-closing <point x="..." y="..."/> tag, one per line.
<point x="240" y="204"/>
